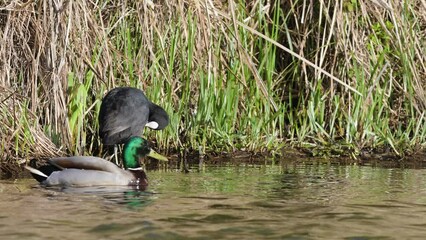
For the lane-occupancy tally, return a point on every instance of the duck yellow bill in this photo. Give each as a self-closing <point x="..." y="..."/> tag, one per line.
<point x="156" y="155"/>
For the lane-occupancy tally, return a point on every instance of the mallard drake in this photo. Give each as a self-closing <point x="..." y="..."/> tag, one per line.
<point x="94" y="171"/>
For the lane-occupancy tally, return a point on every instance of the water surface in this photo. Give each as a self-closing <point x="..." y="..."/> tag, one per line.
<point x="272" y="201"/>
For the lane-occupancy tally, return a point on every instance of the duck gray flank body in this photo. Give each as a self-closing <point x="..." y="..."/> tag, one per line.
<point x="89" y="171"/>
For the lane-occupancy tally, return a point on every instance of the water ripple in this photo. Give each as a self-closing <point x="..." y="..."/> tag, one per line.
<point x="232" y="202"/>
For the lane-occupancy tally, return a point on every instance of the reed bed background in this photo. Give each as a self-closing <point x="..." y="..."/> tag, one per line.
<point x="332" y="77"/>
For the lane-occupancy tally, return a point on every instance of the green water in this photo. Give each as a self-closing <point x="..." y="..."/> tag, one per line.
<point x="281" y="201"/>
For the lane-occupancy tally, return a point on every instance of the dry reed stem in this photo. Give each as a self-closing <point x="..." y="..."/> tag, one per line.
<point x="42" y="42"/>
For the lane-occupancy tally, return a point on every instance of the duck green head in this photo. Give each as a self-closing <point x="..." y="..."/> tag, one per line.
<point x="135" y="148"/>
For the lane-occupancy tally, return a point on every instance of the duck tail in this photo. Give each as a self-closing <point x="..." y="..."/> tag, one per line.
<point x="37" y="174"/>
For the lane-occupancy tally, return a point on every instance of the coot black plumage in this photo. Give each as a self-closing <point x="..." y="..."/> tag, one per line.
<point x="124" y="112"/>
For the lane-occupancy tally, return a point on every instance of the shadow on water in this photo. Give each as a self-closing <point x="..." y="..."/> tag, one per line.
<point x="282" y="200"/>
<point x="130" y="197"/>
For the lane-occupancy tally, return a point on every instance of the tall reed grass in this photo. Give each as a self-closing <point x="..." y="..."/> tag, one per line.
<point x="333" y="77"/>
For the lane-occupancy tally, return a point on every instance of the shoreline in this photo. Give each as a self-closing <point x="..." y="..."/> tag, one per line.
<point x="12" y="170"/>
